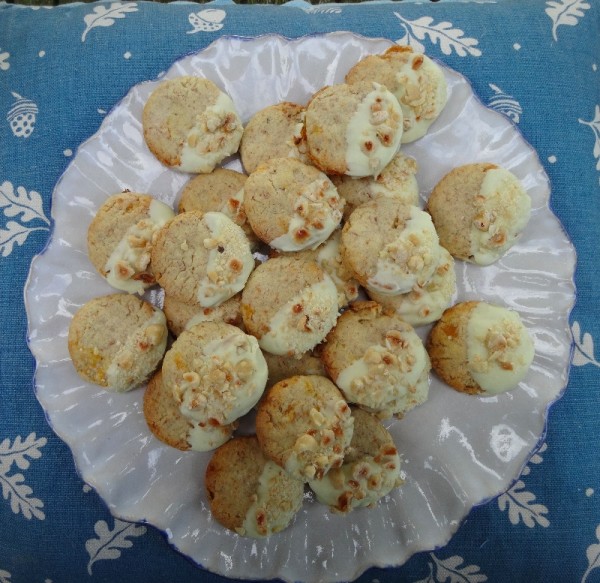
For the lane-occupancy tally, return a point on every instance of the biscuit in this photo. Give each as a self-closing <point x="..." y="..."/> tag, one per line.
<point x="117" y="341"/>
<point x="417" y="82"/>
<point x="290" y="205"/>
<point x="169" y="425"/>
<point x="181" y="315"/>
<point x="289" y="305"/>
<point x="283" y="367"/>
<point x="120" y="236"/>
<point x="329" y="257"/>
<point x="377" y="360"/>
<point x="390" y="246"/>
<point x="201" y="258"/>
<point x="190" y="124"/>
<point x="353" y="129"/>
<point x="397" y="180"/>
<point x="220" y="191"/>
<point x="216" y="372"/>
<point x="424" y="304"/>
<point x="480" y="348"/>
<point x="370" y="471"/>
<point x="247" y="492"/>
<point x="274" y="132"/>
<point x="479" y="211"/>
<point x="304" y="425"/>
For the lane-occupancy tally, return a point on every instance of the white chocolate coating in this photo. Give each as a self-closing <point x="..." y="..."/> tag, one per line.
<point x="227" y="383"/>
<point x="261" y="519"/>
<point x="371" y="141"/>
<point x="132" y="254"/>
<point x="499" y="348"/>
<point x="317" y="212"/>
<point x="410" y="260"/>
<point x="138" y="356"/>
<point x="320" y="312"/>
<point x="230" y="261"/>
<point x="216" y="135"/>
<point x="389" y="379"/>
<point x="206" y="437"/>
<point x="505" y="210"/>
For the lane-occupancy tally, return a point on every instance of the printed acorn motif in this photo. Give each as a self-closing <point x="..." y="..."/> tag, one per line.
<point x="208" y="20"/>
<point x="22" y="116"/>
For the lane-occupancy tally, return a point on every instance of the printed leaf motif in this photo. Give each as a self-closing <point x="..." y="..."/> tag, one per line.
<point x="449" y="38"/>
<point x="103" y="16"/>
<point x="584" y="347"/>
<point x="208" y="20"/>
<point x="595" y="125"/>
<point x="505" y="104"/>
<point x="593" y="557"/>
<point x="15" y="233"/>
<point x="27" y="204"/>
<point x="5" y="576"/>
<point x="521" y="507"/>
<point x="4" y="64"/>
<point x="565" y="12"/>
<point x="109" y="543"/>
<point x="451" y="570"/>
<point x="13" y="487"/>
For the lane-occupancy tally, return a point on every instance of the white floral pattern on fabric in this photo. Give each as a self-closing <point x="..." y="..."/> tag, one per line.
<point x="594" y="124"/>
<point x="26" y="207"/>
<point x="108" y="543"/>
<point x="22" y="116"/>
<point x="5" y="576"/>
<point x="584" y="347"/>
<point x="565" y="12"/>
<point x="208" y="20"/>
<point x="453" y="571"/>
<point x="4" y="64"/>
<point x="593" y="557"/>
<point x="103" y="16"/>
<point x="14" y="488"/>
<point x="449" y="38"/>
<point x="520" y="502"/>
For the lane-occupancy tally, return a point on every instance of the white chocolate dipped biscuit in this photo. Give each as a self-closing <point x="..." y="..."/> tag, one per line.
<point x="377" y="360"/>
<point x="190" y="124"/>
<point x="216" y="373"/>
<point x="479" y="211"/>
<point x="417" y="82"/>
<point x="120" y="239"/>
<point x="353" y="129"/>
<point x="370" y="471"/>
<point x="291" y="206"/>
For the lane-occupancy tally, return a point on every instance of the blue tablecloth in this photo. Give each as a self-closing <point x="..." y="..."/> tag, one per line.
<point x="62" y="69"/>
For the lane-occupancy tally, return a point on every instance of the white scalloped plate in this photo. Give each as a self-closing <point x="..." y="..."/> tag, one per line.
<point x="458" y="450"/>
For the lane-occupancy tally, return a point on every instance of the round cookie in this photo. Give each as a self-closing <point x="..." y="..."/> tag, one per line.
<point x="120" y="236"/>
<point x="397" y="180"/>
<point x="424" y="304"/>
<point x="329" y="257"/>
<point x="274" y="132"/>
<point x="190" y="124"/>
<point x="417" y="82"/>
<point x="480" y="348"/>
<point x="289" y="305"/>
<point x="353" y="129"/>
<point x="283" y="367"/>
<point x="479" y="211"/>
<point x="370" y="471"/>
<point x="247" y="492"/>
<point x="181" y="315"/>
<point x="220" y="191"/>
<point x="117" y="341"/>
<point x="377" y="360"/>
<point x="304" y="425"/>
<point x="216" y="372"/>
<point x="390" y="246"/>
<point x="169" y="425"/>
<point x="202" y="258"/>
<point x="290" y="205"/>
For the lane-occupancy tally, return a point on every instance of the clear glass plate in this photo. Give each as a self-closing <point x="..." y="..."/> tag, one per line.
<point x="457" y="450"/>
